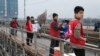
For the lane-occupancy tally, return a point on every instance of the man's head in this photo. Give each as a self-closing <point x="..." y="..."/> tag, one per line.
<point x="67" y="21"/>
<point x="28" y="18"/>
<point x="55" y="16"/>
<point x="79" y="12"/>
<point x="32" y="17"/>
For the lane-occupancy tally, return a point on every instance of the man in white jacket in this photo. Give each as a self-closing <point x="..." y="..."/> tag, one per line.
<point x="36" y="27"/>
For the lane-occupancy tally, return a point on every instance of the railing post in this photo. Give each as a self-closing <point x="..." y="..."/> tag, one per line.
<point x="87" y="31"/>
<point x="15" y="49"/>
<point x="10" y="47"/>
<point x="22" y="40"/>
<point x="35" y="43"/>
<point x="61" y="48"/>
<point x="99" y="33"/>
<point x="4" y="39"/>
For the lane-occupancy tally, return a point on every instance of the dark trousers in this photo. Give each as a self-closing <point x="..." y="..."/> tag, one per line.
<point x="13" y="31"/>
<point x="29" y="38"/>
<point x="54" y="43"/>
<point x="79" y="52"/>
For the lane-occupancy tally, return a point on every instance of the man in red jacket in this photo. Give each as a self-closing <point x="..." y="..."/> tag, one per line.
<point x="76" y="33"/>
<point x="54" y="31"/>
<point x="14" y="24"/>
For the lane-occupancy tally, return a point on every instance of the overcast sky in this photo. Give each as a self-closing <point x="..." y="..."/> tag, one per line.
<point x="63" y="7"/>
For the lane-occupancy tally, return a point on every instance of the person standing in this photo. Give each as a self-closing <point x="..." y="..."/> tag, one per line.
<point x="29" y="31"/>
<point x="76" y="33"/>
<point x="64" y="29"/>
<point x="14" y="24"/>
<point x="54" y="31"/>
<point x="36" y="27"/>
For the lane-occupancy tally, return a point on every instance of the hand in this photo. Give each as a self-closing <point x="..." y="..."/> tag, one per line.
<point x="31" y="31"/>
<point x="84" y="39"/>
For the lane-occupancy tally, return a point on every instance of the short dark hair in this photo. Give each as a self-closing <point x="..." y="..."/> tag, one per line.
<point x="28" y="18"/>
<point x="32" y="17"/>
<point x="66" y="21"/>
<point x="78" y="8"/>
<point x="55" y="14"/>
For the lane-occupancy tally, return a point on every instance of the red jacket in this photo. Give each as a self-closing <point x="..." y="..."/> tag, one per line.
<point x="73" y="39"/>
<point x="28" y="26"/>
<point x="13" y="24"/>
<point x="52" y="31"/>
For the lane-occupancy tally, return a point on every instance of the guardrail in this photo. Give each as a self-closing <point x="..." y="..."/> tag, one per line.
<point x="41" y="45"/>
<point x="15" y="45"/>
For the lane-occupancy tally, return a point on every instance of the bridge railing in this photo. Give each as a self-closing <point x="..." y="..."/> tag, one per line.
<point x="9" y="44"/>
<point x="40" y="43"/>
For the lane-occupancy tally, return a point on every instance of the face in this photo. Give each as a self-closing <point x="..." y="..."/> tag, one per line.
<point x="56" y="17"/>
<point x="79" y="15"/>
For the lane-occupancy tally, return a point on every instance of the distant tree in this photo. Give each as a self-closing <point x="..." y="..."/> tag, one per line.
<point x="42" y="18"/>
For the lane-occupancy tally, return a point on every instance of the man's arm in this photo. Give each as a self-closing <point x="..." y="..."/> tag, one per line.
<point x="77" y="32"/>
